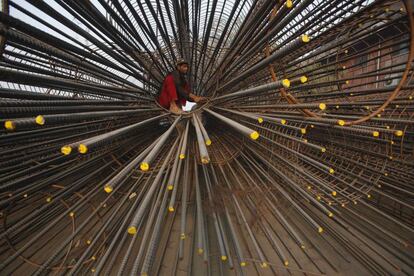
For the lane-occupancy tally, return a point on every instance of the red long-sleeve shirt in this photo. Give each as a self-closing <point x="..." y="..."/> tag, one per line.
<point x="169" y="91"/>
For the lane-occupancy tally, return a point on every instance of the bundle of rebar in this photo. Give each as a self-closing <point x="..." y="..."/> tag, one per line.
<point x="299" y="162"/>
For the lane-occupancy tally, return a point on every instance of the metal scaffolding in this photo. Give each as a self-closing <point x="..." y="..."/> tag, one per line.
<point x="300" y="162"/>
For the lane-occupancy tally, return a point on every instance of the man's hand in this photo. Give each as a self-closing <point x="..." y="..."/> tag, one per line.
<point x="198" y="99"/>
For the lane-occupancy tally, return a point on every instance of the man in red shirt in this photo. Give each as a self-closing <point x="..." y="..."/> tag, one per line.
<point x="175" y="89"/>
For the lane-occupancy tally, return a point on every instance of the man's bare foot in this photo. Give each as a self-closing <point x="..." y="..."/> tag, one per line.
<point x="175" y="109"/>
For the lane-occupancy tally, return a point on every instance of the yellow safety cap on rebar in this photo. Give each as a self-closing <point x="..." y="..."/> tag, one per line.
<point x="302" y="246"/>
<point x="331" y="171"/>
<point x="343" y="204"/>
<point x="224" y="258"/>
<point x="337" y="107"/>
<point x="286" y="263"/>
<point x="66" y="150"/>
<point x="368" y="196"/>
<point x="391" y="157"/>
<point x="170" y="187"/>
<point x="144" y="166"/>
<point x="379" y="115"/>
<point x="387" y="127"/>
<point x="386" y="174"/>
<point x="200" y="251"/>
<point x="93" y="258"/>
<point x="329" y="203"/>
<point x="254" y="135"/>
<point x="305" y="38"/>
<point x="289" y="4"/>
<point x="9" y="125"/>
<point x="83" y="148"/>
<point x="309" y="187"/>
<point x="132" y="230"/>
<point x="318" y="197"/>
<point x="330" y="214"/>
<point x="243" y="264"/>
<point x="182" y="236"/>
<point x="322" y="106"/>
<point x="182" y="156"/>
<point x="286" y="83"/>
<point x="303" y="130"/>
<point x="49" y="199"/>
<point x="320" y="229"/>
<point x="303" y="79"/>
<point x="375" y="133"/>
<point x="343" y="67"/>
<point x="341" y="122"/>
<point x="25" y="195"/>
<point x="264" y="265"/>
<point x="40" y="120"/>
<point x="334" y="193"/>
<point x="410" y="97"/>
<point x="323" y="149"/>
<point x="347" y="82"/>
<point x="205" y="160"/>
<point x="283" y="122"/>
<point x="93" y="270"/>
<point x="260" y="120"/>
<point x="312" y="126"/>
<point x="398" y="133"/>
<point x="392" y="142"/>
<point x="171" y="209"/>
<point x="346" y="51"/>
<point x="108" y="189"/>
<point x="88" y="242"/>
<point x="208" y="142"/>
<point x="72" y="214"/>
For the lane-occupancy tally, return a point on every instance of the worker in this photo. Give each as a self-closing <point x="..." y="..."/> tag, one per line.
<point x="175" y="89"/>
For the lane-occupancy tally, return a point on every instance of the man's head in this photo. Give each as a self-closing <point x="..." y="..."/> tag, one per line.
<point x="182" y="66"/>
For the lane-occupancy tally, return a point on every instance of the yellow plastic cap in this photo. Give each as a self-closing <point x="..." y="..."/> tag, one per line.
<point x="66" y="150"/>
<point x="323" y="149"/>
<point x="334" y="193"/>
<point x="254" y="135"/>
<point x="368" y="196"/>
<point x="322" y="106"/>
<point x="171" y="209"/>
<point x="286" y="83"/>
<point x="305" y="38"/>
<point x="49" y="199"/>
<point x="303" y="130"/>
<point x="144" y="166"/>
<point x="132" y="230"/>
<point x="399" y="133"/>
<point x="83" y="148"/>
<point x="375" y="133"/>
<point x="72" y="214"/>
<point x="182" y="236"/>
<point x="341" y="122"/>
<point x="283" y="122"/>
<point x="208" y="142"/>
<point x="260" y="120"/>
<point x="330" y="214"/>
<point x="331" y="171"/>
<point x="286" y="263"/>
<point x="88" y="241"/>
<point x="303" y="79"/>
<point x="170" y="187"/>
<point x="224" y="258"/>
<point x="9" y="125"/>
<point x="264" y="265"/>
<point x="182" y="156"/>
<point x="289" y="4"/>
<point x="205" y="160"/>
<point x="108" y="189"/>
<point x="320" y="229"/>
<point x="243" y="264"/>
<point x="200" y="251"/>
<point x="40" y="120"/>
